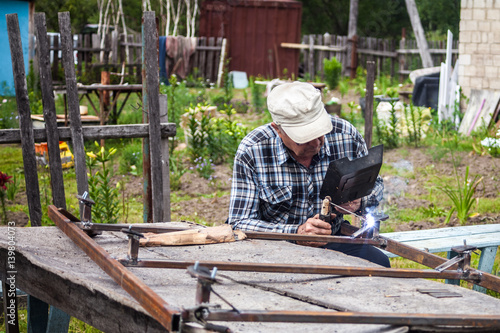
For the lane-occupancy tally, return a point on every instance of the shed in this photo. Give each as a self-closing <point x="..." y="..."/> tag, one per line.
<point x="254" y="30"/>
<point x="24" y="10"/>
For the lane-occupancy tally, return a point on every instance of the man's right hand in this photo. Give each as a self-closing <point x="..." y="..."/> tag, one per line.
<point x="315" y="226"/>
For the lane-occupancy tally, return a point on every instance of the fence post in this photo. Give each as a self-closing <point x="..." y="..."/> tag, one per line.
<point x="23" y="107"/>
<point x="353" y="55"/>
<point x="370" y="78"/>
<point x="165" y="154"/>
<point x="311" y="57"/>
<point x="73" y="105"/>
<point x="49" y="113"/>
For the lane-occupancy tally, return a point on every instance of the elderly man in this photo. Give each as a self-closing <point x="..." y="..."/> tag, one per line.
<point x="279" y="169"/>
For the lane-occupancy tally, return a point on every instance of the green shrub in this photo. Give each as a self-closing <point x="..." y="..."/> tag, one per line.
<point x="333" y="70"/>
<point x="130" y="160"/>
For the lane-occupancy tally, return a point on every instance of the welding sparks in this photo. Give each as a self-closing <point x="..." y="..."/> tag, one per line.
<point x="369" y="220"/>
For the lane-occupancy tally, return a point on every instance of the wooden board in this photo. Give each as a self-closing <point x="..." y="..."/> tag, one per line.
<point x="475" y="116"/>
<point x="53" y="269"/>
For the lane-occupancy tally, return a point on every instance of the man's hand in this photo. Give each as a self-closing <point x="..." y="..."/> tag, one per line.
<point x="315" y="226"/>
<point x="349" y="207"/>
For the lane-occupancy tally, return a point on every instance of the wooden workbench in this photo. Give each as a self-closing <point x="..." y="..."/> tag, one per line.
<point x="53" y="269"/>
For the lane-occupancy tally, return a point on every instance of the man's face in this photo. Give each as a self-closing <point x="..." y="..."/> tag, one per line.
<point x="303" y="150"/>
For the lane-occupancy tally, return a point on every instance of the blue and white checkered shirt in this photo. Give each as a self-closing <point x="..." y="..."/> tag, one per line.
<point x="272" y="192"/>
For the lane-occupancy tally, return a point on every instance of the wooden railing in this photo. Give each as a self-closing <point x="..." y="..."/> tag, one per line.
<point x="383" y="52"/>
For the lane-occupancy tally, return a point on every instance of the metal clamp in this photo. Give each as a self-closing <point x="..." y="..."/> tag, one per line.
<point x="462" y="258"/>
<point x="87" y="207"/>
<point x="133" y="244"/>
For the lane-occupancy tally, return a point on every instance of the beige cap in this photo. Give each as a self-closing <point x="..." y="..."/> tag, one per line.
<point x="298" y="109"/>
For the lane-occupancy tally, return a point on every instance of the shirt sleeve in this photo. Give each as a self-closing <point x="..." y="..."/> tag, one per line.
<point x="244" y="206"/>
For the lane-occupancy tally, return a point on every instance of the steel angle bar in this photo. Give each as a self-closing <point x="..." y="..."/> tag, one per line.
<point x="300" y="269"/>
<point x="164" y="313"/>
<point x="324" y="317"/>
<point x="311" y="238"/>
<point x="428" y="259"/>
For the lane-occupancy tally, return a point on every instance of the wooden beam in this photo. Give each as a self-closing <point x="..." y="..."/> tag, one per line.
<point x="49" y="113"/>
<point x="153" y="83"/>
<point x="73" y="104"/>
<point x="26" y="132"/>
<point x="370" y="78"/>
<point x="165" y="161"/>
<point x="419" y="33"/>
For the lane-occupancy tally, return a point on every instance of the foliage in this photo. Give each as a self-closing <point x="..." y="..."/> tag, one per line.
<point x="214" y="138"/>
<point x="13" y="188"/>
<point x="462" y="195"/>
<point x="257" y="91"/>
<point x="4" y="180"/>
<point x="333" y="71"/>
<point x="105" y="195"/>
<point x="8" y="114"/>
<point x="177" y="170"/>
<point x="204" y="167"/>
<point x="130" y="160"/>
<point x="387" y="133"/>
<point x="413" y="118"/>
<point x="34" y="90"/>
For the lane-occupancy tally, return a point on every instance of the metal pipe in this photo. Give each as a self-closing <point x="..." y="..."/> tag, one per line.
<point x="163" y="312"/>
<point x="303" y="269"/>
<point x="312" y="238"/>
<point x="405" y="319"/>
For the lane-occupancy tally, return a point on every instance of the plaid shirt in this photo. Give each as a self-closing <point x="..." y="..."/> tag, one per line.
<point x="272" y="192"/>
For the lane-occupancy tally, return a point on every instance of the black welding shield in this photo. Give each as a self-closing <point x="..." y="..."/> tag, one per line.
<point x="347" y="180"/>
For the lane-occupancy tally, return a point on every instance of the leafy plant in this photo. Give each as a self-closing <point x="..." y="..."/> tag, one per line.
<point x="257" y="95"/>
<point x="413" y="117"/>
<point x="12" y="188"/>
<point x="4" y="180"/>
<point x="333" y="70"/>
<point x="101" y="190"/>
<point x="177" y="170"/>
<point x="8" y="114"/>
<point x="204" y="167"/>
<point x="130" y="160"/>
<point x="462" y="196"/>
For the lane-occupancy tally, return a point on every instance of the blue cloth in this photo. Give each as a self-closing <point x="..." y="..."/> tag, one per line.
<point x="272" y="192"/>
<point x="163" y="60"/>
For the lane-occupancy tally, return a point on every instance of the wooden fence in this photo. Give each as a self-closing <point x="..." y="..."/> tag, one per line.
<point x="205" y="62"/>
<point x="383" y="52"/>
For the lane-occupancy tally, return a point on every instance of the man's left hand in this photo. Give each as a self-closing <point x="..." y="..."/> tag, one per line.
<point x="350" y="207"/>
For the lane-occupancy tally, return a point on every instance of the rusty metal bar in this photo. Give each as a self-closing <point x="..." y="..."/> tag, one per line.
<point x="487" y="280"/>
<point x="164" y="313"/>
<point x="324" y="317"/>
<point x="303" y="269"/>
<point x="311" y="238"/>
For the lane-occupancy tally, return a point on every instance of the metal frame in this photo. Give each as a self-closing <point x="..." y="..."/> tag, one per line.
<point x="174" y="319"/>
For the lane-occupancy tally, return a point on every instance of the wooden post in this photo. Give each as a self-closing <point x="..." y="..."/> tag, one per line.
<point x="352" y="36"/>
<point x="146" y="159"/>
<point x="165" y="154"/>
<point x="370" y="78"/>
<point x="311" y="58"/>
<point x="153" y="83"/>
<point x="73" y="104"/>
<point x="49" y="113"/>
<point x="23" y="107"/>
<point x="402" y="56"/>
<point x="423" y="48"/>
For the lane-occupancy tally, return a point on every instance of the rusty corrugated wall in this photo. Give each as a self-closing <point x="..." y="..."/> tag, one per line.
<point x="254" y="31"/>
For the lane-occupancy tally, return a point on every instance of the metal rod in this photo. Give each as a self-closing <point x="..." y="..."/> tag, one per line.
<point x="302" y="269"/>
<point x="405" y="319"/>
<point x="166" y="315"/>
<point x="311" y="238"/>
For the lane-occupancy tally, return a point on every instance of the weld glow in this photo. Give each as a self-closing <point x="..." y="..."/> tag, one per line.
<point x="370" y="220"/>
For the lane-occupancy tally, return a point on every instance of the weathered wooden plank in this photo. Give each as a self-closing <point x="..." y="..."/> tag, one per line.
<point x="49" y="113"/>
<point x="73" y="103"/>
<point x="26" y="131"/>
<point x="92" y="132"/>
<point x="202" y="41"/>
<point x="146" y="156"/>
<point x="370" y="79"/>
<point x="419" y="33"/>
<point x="165" y="161"/>
<point x="210" y="61"/>
<point x="152" y="78"/>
